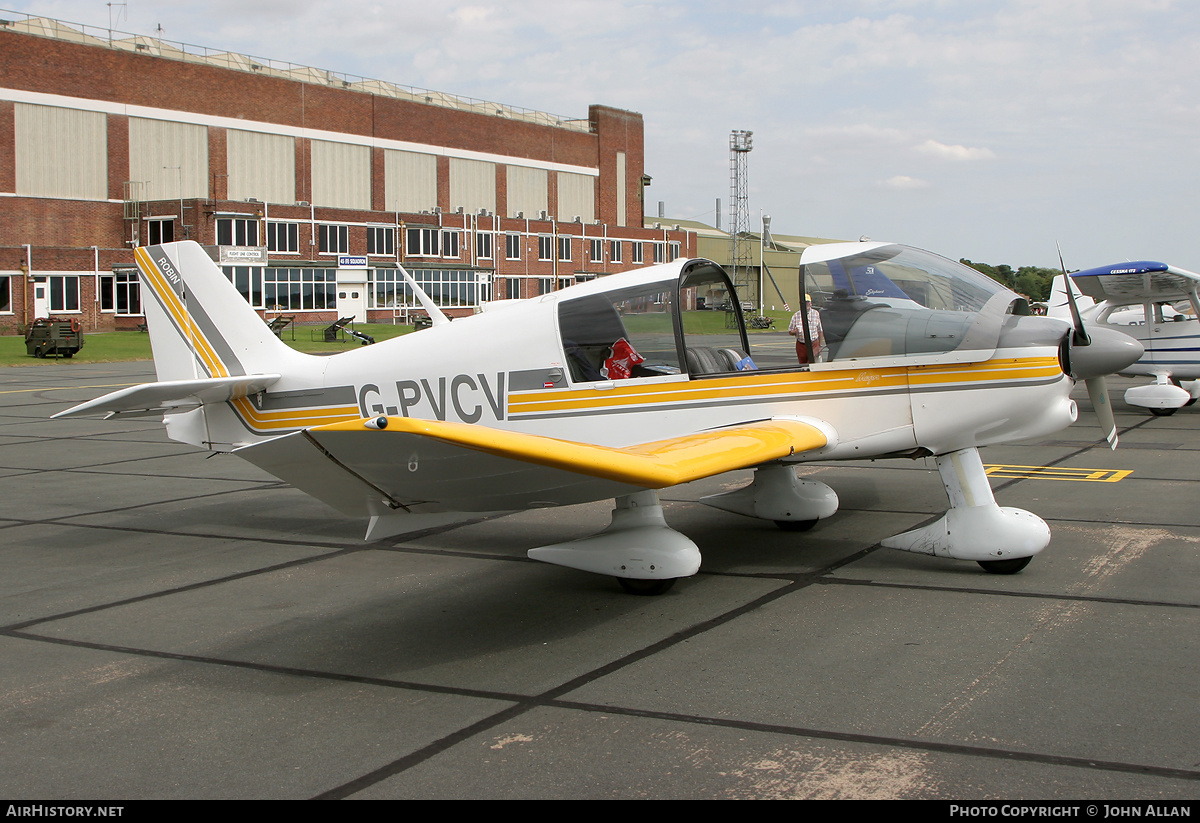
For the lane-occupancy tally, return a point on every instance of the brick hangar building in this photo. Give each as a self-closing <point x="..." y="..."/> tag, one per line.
<point x="309" y="187"/>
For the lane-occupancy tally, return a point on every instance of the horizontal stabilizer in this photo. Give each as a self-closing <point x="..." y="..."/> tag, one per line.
<point x="459" y="467"/>
<point x="172" y="395"/>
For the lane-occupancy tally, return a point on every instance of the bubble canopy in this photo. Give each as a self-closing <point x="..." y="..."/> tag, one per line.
<point x="886" y="300"/>
<point x="878" y="302"/>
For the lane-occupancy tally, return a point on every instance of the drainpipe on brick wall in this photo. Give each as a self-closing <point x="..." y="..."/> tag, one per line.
<point x="96" y="288"/>
<point x="28" y="275"/>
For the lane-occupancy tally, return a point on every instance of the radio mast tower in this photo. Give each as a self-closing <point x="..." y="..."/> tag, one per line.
<point x="740" y="253"/>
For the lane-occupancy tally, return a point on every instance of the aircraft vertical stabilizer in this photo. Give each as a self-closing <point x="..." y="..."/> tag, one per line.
<point x="200" y="326"/>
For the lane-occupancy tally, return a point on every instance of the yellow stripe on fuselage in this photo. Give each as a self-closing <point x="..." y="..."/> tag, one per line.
<point x="765" y="385"/>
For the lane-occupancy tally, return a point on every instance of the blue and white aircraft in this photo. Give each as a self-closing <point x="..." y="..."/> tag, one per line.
<point x="1158" y="305"/>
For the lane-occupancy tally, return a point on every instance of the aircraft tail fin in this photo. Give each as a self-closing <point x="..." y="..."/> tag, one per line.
<point x="200" y="325"/>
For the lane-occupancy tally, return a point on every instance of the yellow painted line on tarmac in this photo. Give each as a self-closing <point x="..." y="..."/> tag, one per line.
<point x="1057" y="473"/>
<point x="67" y="388"/>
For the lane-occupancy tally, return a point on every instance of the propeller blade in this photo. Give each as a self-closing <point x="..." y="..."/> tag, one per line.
<point x="1098" y="394"/>
<point x="1081" y="335"/>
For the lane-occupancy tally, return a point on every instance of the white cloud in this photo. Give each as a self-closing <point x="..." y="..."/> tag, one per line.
<point x="903" y="181"/>
<point x="941" y="150"/>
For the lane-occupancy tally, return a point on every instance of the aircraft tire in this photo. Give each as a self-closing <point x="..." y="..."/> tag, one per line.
<point x="1010" y="566"/>
<point x="1163" y="412"/>
<point x="647" y="588"/>
<point x="795" y="525"/>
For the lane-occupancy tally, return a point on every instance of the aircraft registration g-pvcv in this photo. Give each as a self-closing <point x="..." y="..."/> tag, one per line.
<point x="624" y="385"/>
<point x="1150" y="301"/>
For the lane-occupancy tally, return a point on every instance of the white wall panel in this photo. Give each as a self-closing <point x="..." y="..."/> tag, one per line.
<point x="262" y="166"/>
<point x="61" y="152"/>
<point x="341" y="175"/>
<point x="472" y="185"/>
<point x="409" y="181"/>
<point x="170" y="158"/>
<point x="576" y="197"/>
<point x="528" y="191"/>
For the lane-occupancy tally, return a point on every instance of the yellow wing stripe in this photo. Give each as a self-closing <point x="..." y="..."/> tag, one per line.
<point x="651" y="465"/>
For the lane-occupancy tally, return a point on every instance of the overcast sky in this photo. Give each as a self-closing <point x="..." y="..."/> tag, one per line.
<point x="986" y="129"/>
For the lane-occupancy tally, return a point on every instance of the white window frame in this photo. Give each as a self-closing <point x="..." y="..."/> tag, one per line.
<point x="74" y="286"/>
<point x="483" y="245"/>
<point x="564" y="248"/>
<point x="545" y="248"/>
<point x="243" y="229"/>
<point x="381" y="241"/>
<point x="339" y="232"/>
<point x="113" y="282"/>
<point x="614" y="251"/>
<point x="422" y="241"/>
<point x="151" y="222"/>
<point x="512" y="246"/>
<point x="450" y="243"/>
<point x="639" y="254"/>
<point x="290" y="232"/>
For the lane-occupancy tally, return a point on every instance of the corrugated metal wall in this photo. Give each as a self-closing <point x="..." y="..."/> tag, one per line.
<point x="410" y="181"/>
<point x="262" y="166"/>
<point x="170" y="158"/>
<point x="576" y="197"/>
<point x="472" y="185"/>
<point x="528" y="191"/>
<point x="341" y="175"/>
<point x="61" y="152"/>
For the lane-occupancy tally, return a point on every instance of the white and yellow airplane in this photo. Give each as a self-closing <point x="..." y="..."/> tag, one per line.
<point x="628" y="384"/>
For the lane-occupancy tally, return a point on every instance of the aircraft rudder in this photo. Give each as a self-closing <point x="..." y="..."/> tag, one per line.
<point x="200" y="324"/>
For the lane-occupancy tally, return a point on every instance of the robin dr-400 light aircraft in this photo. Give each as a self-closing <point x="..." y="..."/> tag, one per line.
<point x="627" y="384"/>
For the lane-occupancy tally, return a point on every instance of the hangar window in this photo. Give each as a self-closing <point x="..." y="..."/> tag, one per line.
<point x="638" y="256"/>
<point x="248" y="281"/>
<point x="597" y="251"/>
<point x="512" y="246"/>
<point x="545" y="247"/>
<point x="299" y="289"/>
<point x="237" y="231"/>
<point x="5" y="294"/>
<point x="64" y="293"/>
<point x="450" y="240"/>
<point x="283" y="237"/>
<point x="614" y="251"/>
<point x="120" y="293"/>
<point x="660" y="252"/>
<point x="160" y="231"/>
<point x="334" y="239"/>
<point x="675" y="251"/>
<point x="483" y="245"/>
<point x="564" y="247"/>
<point x="381" y="240"/>
<point x="422" y="242"/>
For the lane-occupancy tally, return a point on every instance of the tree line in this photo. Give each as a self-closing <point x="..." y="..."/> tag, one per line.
<point x="1033" y="282"/>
